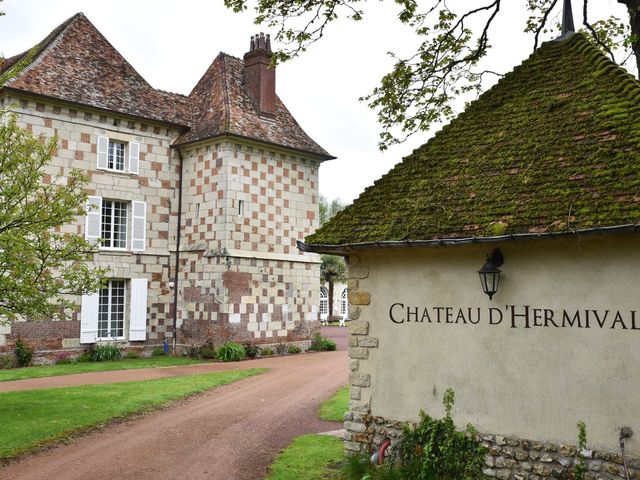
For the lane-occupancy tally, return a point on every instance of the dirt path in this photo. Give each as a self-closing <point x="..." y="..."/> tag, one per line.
<point x="233" y="432"/>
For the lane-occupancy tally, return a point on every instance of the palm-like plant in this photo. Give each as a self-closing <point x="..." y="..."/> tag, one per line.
<point x="332" y="270"/>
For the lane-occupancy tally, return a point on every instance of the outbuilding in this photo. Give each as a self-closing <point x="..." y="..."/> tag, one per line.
<point x="501" y="259"/>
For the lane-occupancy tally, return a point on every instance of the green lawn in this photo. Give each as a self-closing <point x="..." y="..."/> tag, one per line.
<point x="71" y="368"/>
<point x="309" y="457"/>
<point x="32" y="418"/>
<point x="335" y="408"/>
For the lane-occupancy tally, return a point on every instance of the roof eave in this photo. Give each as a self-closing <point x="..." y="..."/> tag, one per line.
<point x="322" y="156"/>
<point x="345" y="248"/>
<point x="86" y="105"/>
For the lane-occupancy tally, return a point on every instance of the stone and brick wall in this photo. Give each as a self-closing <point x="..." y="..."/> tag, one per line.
<point x="242" y="276"/>
<point x="77" y="131"/>
<point x="243" y="209"/>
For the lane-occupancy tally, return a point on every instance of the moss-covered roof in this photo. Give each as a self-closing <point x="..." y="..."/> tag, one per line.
<point x="553" y="147"/>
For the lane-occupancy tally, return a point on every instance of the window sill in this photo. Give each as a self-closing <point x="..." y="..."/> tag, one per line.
<point x="118" y="172"/>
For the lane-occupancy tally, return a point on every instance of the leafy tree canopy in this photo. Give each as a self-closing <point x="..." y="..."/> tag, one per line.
<point x="329" y="208"/>
<point x="420" y="89"/>
<point x="39" y="265"/>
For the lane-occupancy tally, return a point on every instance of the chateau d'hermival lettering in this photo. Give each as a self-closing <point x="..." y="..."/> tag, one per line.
<point x="516" y="316"/>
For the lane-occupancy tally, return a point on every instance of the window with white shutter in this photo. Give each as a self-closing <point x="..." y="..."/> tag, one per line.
<point x="139" y="226"/>
<point x="111" y="310"/>
<point x="103" y="151"/>
<point x="134" y="157"/>
<point x="89" y="318"/>
<point x="92" y="228"/>
<point x="138" y="318"/>
<point x="118" y="155"/>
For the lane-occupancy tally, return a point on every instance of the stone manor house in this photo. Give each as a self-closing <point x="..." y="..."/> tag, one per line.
<point x="198" y="200"/>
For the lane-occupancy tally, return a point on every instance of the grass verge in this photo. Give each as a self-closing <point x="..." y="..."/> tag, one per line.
<point x="334" y="409"/>
<point x="34" y="418"/>
<point x="71" y="368"/>
<point x="309" y="457"/>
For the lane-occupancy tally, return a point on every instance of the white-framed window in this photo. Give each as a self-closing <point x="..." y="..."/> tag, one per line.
<point x="111" y="310"/>
<point x="118" y="156"/>
<point x="324" y="301"/>
<point x="108" y="220"/>
<point x="115" y="155"/>
<point x="114" y="224"/>
<point x="104" y="315"/>
<point x="344" y="302"/>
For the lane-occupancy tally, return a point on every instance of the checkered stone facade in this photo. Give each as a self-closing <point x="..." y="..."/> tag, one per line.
<point x="241" y="276"/>
<point x="156" y="184"/>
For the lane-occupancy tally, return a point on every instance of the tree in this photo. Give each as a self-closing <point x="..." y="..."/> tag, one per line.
<point x="39" y="265"/>
<point x="329" y="209"/>
<point x="420" y="89"/>
<point x="332" y="270"/>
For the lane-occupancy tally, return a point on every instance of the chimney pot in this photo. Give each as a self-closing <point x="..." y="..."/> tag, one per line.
<point x="259" y="77"/>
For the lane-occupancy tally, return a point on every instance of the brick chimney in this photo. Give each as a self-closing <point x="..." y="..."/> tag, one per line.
<point x="259" y="77"/>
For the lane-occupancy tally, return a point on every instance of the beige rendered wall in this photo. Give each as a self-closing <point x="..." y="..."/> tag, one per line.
<point x="533" y="382"/>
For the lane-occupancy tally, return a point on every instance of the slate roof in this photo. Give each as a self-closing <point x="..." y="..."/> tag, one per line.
<point x="553" y="148"/>
<point x="76" y="63"/>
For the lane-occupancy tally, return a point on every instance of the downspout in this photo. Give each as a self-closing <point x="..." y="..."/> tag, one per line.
<point x="177" y="270"/>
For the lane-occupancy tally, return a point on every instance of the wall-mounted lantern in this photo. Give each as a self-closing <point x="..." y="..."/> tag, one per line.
<point x="490" y="273"/>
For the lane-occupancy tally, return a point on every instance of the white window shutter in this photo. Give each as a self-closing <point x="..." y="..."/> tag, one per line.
<point x="139" y="226"/>
<point x="138" y="318"/>
<point x="134" y="157"/>
<point x="103" y="151"/>
<point x="89" y="318"/>
<point x="93" y="227"/>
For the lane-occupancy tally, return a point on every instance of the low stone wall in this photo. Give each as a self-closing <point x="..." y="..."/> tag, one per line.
<point x="507" y="458"/>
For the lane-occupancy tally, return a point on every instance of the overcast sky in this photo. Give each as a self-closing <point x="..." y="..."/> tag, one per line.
<point x="171" y="44"/>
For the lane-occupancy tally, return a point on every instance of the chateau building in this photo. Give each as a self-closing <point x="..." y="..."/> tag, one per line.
<point x="197" y="200"/>
<point x="535" y="191"/>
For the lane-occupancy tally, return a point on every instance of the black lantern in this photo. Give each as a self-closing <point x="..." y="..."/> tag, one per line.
<point x="490" y="273"/>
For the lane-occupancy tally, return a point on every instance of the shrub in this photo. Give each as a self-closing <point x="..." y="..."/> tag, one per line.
<point x="435" y="449"/>
<point x="231" y="352"/>
<point x="251" y="349"/>
<point x="266" y="351"/>
<point x="131" y="355"/>
<point x="23" y="353"/>
<point x="192" y="351"/>
<point x="63" y="358"/>
<point x="85" y="357"/>
<point x="322" y="344"/>
<point x="431" y="450"/>
<point x="105" y="353"/>
<point x="293" y="349"/>
<point x="157" y="352"/>
<point x="6" y="361"/>
<point x="282" y="348"/>
<point x="208" y="351"/>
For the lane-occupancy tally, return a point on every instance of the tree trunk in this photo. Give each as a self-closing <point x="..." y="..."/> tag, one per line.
<point x="330" y="299"/>
<point x="633" y="6"/>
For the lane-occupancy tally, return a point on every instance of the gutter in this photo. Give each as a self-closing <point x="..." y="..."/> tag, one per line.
<point x="177" y="270"/>
<point x="444" y="242"/>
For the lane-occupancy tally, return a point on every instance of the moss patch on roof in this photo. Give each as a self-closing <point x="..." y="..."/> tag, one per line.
<point x="553" y="147"/>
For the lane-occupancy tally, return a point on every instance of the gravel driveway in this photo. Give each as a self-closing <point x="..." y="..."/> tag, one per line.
<point x="233" y="432"/>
